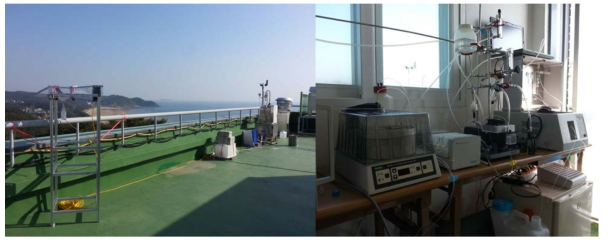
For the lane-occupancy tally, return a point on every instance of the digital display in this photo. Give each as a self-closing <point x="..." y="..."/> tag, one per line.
<point x="402" y="172"/>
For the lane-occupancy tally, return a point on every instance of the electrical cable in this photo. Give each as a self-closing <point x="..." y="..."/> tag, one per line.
<point x="78" y="203"/>
<point x="540" y="192"/>
<point x="371" y="200"/>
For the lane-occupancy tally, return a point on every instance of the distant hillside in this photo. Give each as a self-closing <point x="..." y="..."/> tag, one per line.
<point x="21" y="105"/>
<point x="121" y="101"/>
<point x="22" y="99"/>
<point x="21" y="102"/>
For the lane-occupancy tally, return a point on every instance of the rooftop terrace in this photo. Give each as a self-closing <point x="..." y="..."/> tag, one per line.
<point x="169" y="186"/>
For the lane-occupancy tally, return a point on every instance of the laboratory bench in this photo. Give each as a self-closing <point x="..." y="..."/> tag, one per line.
<point x="349" y="204"/>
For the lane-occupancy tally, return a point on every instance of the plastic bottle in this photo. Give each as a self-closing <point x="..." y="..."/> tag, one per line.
<point x="464" y="37"/>
<point x="501" y="211"/>
<point x="283" y="134"/>
<point x="536" y="228"/>
<point x="509" y="222"/>
<point x="385" y="100"/>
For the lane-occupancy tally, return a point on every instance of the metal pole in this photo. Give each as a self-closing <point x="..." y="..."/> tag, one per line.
<point x="52" y="158"/>
<point x="98" y="154"/>
<point x="78" y="137"/>
<point x="122" y="133"/>
<point x="229" y="119"/>
<point x="12" y="138"/>
<point x="180" y="124"/>
<point x="388" y="28"/>
<point x="240" y="117"/>
<point x="215" y="120"/>
<point x="52" y="188"/>
<point x="200" y="121"/>
<point x="155" y="127"/>
<point x="489" y="83"/>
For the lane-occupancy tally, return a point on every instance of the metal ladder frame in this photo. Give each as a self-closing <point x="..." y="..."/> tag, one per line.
<point x="54" y="144"/>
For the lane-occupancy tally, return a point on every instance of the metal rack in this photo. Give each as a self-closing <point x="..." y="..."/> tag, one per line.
<point x="56" y="94"/>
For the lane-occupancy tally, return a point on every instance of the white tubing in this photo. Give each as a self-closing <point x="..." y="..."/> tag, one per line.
<point x="467" y="79"/>
<point x="540" y="48"/>
<point x="369" y="45"/>
<point x="437" y="78"/>
<point x="447" y="94"/>
<point x="402" y="87"/>
<point x="545" y="91"/>
<point x="479" y="104"/>
<point x="404" y="94"/>
<point x="508" y="108"/>
<point x="527" y="108"/>
<point x="447" y="167"/>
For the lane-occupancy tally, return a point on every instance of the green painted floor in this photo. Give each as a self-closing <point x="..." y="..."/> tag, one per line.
<point x="264" y="191"/>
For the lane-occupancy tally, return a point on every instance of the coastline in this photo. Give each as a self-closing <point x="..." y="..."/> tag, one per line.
<point x="109" y="111"/>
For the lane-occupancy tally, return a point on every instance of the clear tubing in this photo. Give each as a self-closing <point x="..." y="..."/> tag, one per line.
<point x="479" y="103"/>
<point x="461" y="86"/>
<point x="369" y="45"/>
<point x="541" y="99"/>
<point x="447" y="94"/>
<point x="508" y="108"/>
<point x="402" y="87"/>
<point x="540" y="48"/>
<point x="526" y="100"/>
<point x="545" y="91"/>
<point x="483" y="40"/>
<point x="437" y="78"/>
<point x="467" y="79"/>
<point x="447" y="167"/>
<point x="404" y="94"/>
<point x="538" y="96"/>
<point x="391" y="88"/>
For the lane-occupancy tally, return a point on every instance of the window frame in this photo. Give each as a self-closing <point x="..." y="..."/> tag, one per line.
<point x="444" y="47"/>
<point x="363" y="90"/>
<point x="352" y="90"/>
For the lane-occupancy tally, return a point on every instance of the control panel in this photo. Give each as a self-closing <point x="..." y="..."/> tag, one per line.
<point x="404" y="171"/>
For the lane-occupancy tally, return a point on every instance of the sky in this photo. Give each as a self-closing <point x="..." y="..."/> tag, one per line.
<point x="157" y="52"/>
<point x="334" y="62"/>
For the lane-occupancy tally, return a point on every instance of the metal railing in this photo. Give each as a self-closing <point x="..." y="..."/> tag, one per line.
<point x="78" y="120"/>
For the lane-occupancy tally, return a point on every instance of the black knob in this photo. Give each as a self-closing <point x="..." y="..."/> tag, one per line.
<point x="517" y="69"/>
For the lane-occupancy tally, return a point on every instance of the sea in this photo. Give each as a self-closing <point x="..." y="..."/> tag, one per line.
<point x="171" y="106"/>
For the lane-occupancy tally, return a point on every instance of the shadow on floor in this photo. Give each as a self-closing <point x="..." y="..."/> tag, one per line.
<point x="269" y="206"/>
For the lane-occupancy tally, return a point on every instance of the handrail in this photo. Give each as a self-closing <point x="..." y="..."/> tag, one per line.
<point x="78" y="120"/>
<point x="36" y="123"/>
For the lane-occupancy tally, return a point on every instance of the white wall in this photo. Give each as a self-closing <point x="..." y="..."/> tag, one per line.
<point x="528" y="16"/>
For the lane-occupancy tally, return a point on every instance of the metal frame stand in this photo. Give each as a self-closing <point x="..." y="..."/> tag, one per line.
<point x="55" y="145"/>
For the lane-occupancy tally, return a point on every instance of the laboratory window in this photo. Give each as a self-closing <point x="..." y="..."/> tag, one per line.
<point x="412" y="65"/>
